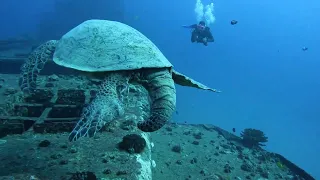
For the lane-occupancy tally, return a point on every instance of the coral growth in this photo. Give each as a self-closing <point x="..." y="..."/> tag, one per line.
<point x="253" y="138"/>
<point x="133" y="143"/>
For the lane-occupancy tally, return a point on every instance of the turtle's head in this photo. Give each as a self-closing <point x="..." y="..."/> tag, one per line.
<point x="163" y="99"/>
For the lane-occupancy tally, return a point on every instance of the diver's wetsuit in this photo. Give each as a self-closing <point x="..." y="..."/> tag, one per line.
<point x="198" y="35"/>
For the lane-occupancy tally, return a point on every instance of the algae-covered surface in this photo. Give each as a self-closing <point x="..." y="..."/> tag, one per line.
<point x="179" y="151"/>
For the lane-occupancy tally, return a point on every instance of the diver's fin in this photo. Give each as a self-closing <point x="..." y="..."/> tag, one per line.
<point x="184" y="80"/>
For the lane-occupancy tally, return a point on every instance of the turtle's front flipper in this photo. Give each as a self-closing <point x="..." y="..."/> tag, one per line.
<point x="34" y="64"/>
<point x="106" y="107"/>
<point x="162" y="92"/>
<point x="184" y="80"/>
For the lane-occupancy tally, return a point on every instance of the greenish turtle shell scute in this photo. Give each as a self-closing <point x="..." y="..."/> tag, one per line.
<point x="103" y="45"/>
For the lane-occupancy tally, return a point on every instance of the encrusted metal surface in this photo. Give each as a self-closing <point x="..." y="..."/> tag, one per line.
<point x="46" y="111"/>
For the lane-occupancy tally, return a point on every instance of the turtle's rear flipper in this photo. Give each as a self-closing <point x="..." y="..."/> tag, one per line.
<point x="184" y="80"/>
<point x="34" y="64"/>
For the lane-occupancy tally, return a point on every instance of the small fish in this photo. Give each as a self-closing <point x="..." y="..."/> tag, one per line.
<point x="304" y="48"/>
<point x="234" y="130"/>
<point x="136" y="17"/>
<point x="233" y="22"/>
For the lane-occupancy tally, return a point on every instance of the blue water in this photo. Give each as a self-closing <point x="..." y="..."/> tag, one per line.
<point x="268" y="82"/>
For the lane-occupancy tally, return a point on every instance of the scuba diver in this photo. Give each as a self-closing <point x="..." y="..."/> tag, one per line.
<point x="200" y="33"/>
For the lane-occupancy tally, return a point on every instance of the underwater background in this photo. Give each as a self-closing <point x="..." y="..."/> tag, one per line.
<point x="267" y="81"/>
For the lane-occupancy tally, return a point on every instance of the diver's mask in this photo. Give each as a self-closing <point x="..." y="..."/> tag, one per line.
<point x="201" y="27"/>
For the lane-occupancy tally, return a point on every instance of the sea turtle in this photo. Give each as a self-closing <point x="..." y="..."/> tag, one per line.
<point x="121" y="55"/>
